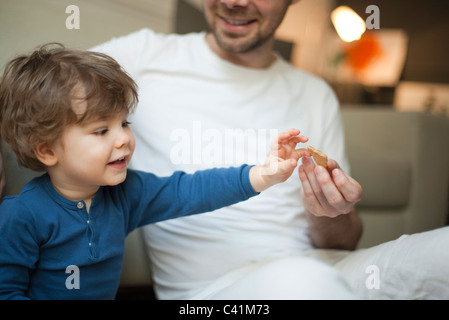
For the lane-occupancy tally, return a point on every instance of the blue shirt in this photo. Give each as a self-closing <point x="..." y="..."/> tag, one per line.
<point x="52" y="248"/>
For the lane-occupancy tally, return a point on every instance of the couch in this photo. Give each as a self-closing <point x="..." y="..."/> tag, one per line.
<point x="401" y="159"/>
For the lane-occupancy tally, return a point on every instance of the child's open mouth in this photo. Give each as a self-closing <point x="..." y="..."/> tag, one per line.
<point x="119" y="163"/>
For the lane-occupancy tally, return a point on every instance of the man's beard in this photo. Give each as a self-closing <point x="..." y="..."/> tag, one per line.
<point x="233" y="44"/>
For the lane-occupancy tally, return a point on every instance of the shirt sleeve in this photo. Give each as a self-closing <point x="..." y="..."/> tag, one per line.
<point x="19" y="250"/>
<point x="128" y="50"/>
<point x="184" y="194"/>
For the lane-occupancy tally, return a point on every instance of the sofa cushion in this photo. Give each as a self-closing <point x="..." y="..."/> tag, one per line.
<point x="385" y="177"/>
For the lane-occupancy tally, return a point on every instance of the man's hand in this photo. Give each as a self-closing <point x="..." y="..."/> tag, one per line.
<point x="330" y="192"/>
<point x="280" y="162"/>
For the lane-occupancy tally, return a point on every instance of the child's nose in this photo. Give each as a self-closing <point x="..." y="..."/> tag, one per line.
<point x="123" y="139"/>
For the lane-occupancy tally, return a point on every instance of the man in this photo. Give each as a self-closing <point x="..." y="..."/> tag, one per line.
<point x="212" y="99"/>
<point x="243" y="33"/>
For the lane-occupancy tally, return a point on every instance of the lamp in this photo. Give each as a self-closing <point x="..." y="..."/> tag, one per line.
<point x="348" y="24"/>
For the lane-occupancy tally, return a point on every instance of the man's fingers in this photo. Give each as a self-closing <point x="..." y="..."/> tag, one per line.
<point x="333" y="197"/>
<point x="309" y="168"/>
<point x="332" y="164"/>
<point x="350" y="189"/>
<point x="335" y="191"/>
<point x="310" y="200"/>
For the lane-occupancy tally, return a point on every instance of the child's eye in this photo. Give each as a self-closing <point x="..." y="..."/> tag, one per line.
<point x="101" y="132"/>
<point x="126" y="123"/>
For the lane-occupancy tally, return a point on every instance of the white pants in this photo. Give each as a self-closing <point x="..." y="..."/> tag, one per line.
<point x="411" y="267"/>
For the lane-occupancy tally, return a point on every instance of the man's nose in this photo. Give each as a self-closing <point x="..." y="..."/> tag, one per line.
<point x="235" y="3"/>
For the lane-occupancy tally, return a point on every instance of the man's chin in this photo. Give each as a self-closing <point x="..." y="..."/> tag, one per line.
<point x="232" y="43"/>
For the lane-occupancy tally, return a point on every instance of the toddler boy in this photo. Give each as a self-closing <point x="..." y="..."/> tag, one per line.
<point x="66" y="112"/>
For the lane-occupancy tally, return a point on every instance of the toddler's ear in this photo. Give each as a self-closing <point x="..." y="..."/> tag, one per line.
<point x="45" y="154"/>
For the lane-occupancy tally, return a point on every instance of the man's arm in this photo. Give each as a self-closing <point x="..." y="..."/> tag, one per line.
<point x="330" y="197"/>
<point x="341" y="232"/>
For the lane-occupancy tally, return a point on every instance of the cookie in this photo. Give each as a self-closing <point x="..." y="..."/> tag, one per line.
<point x="319" y="157"/>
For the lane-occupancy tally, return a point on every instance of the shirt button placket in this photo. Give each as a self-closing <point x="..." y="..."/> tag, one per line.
<point x="80" y="206"/>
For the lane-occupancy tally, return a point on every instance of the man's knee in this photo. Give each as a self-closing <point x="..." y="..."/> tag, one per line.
<point x="306" y="278"/>
<point x="290" y="278"/>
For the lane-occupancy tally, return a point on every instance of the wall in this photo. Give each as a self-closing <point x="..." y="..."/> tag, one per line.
<point x="25" y="24"/>
<point x="306" y="24"/>
<point x="427" y="26"/>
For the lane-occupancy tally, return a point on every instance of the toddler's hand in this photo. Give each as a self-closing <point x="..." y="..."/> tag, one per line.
<point x="280" y="162"/>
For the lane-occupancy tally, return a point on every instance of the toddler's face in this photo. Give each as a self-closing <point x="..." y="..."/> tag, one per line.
<point x="96" y="152"/>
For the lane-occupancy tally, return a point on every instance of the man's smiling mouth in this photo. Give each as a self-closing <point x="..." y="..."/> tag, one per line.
<point x="238" y="22"/>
